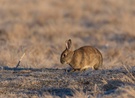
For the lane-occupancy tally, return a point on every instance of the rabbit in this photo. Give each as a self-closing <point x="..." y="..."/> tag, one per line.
<point x="81" y="59"/>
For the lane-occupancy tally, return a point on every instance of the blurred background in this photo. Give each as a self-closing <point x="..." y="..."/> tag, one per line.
<point x="40" y="28"/>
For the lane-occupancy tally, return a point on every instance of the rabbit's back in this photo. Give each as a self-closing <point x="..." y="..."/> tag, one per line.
<point x="86" y="57"/>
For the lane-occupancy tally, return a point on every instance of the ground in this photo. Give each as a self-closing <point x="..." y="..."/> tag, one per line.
<point x="24" y="82"/>
<point x="40" y="28"/>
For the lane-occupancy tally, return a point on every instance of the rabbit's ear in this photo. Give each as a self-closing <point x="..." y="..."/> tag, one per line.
<point x="68" y="44"/>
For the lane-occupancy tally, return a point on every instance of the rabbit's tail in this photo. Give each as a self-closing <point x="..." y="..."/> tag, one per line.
<point x="96" y="67"/>
<point x="100" y="64"/>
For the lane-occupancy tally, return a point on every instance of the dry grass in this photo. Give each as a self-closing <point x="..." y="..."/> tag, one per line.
<point x="40" y="29"/>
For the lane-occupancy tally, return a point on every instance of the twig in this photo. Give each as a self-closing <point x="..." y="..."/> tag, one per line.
<point x="129" y="72"/>
<point x="20" y="60"/>
<point x="95" y="90"/>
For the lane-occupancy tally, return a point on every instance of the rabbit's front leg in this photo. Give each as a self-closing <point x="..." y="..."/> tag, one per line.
<point x="74" y="70"/>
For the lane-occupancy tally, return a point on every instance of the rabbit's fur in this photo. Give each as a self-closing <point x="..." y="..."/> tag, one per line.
<point x="81" y="59"/>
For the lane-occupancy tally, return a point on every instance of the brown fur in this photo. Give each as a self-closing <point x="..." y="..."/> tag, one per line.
<point x="82" y="58"/>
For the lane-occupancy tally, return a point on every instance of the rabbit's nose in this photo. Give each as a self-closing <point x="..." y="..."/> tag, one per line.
<point x="63" y="62"/>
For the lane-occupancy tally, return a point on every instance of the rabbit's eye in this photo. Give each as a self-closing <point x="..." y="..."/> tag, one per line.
<point x="64" y="55"/>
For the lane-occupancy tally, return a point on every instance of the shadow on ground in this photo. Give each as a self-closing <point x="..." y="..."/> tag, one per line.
<point x="58" y="82"/>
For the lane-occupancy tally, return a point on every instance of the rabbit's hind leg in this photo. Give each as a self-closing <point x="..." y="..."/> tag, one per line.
<point x="83" y="69"/>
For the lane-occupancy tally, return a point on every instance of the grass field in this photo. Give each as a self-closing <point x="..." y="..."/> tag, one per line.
<point x="40" y="27"/>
